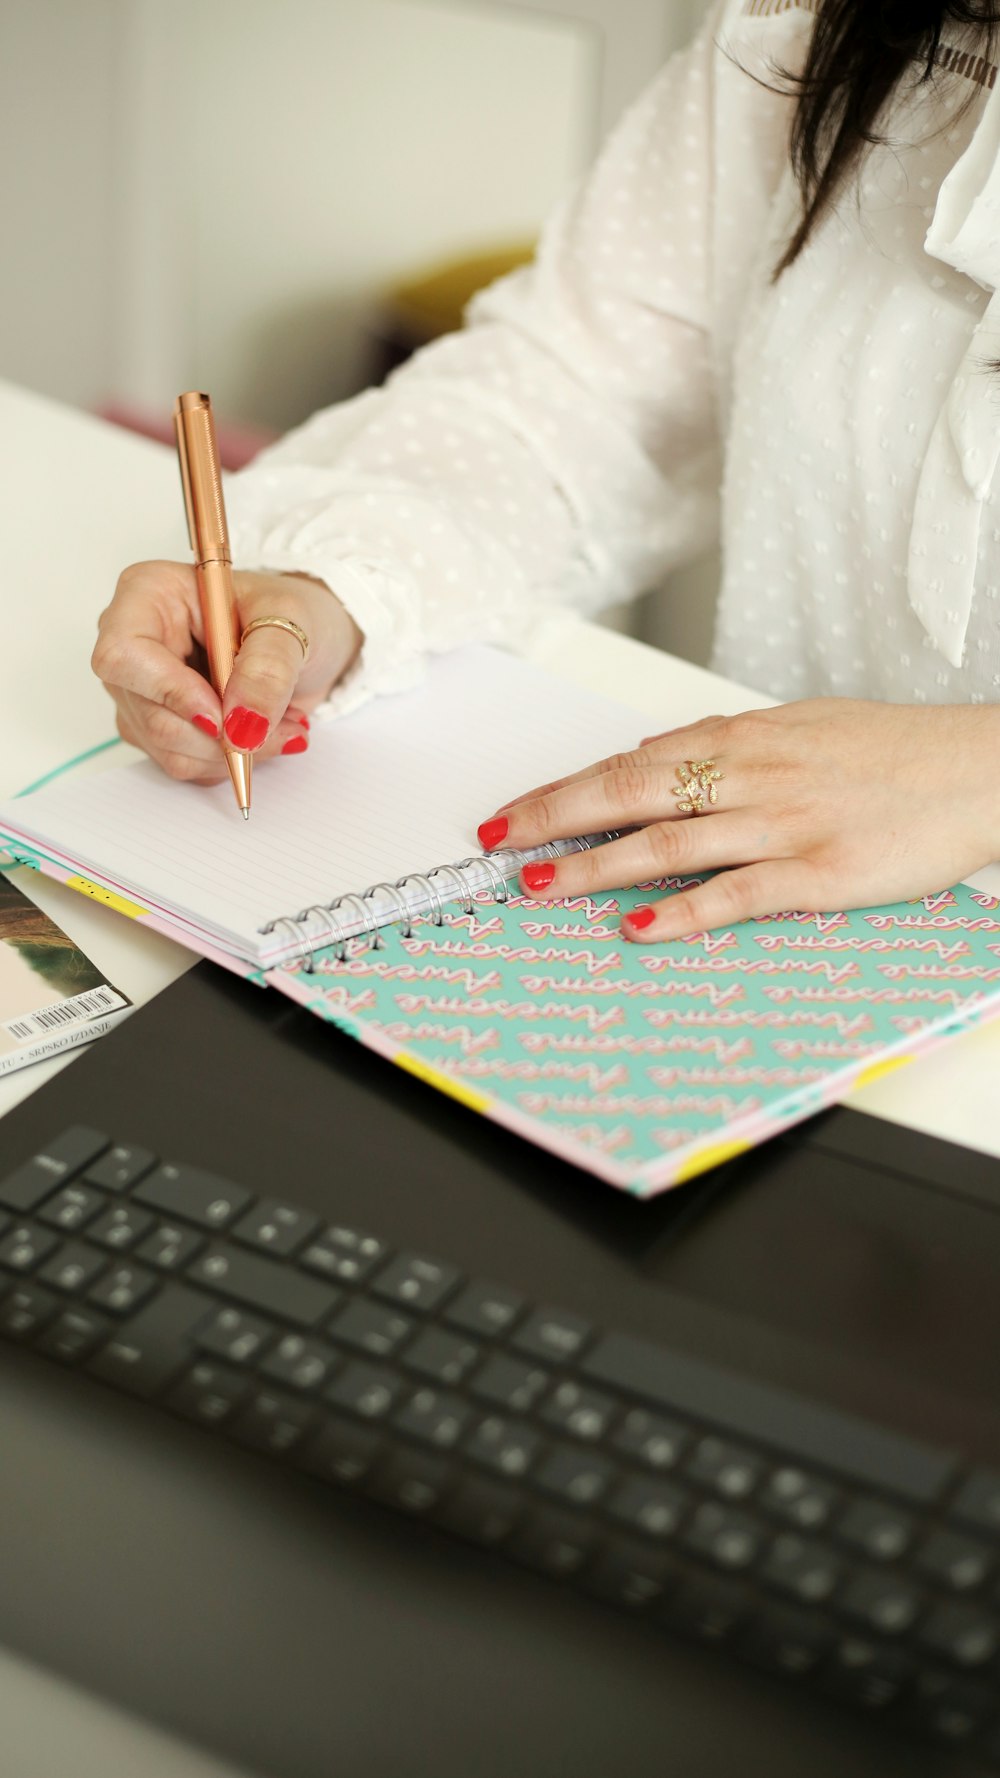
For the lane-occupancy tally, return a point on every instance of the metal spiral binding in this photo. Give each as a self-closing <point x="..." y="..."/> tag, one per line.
<point x="335" y="937"/>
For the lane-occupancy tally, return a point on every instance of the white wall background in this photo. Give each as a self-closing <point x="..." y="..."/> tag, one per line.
<point x="214" y="192"/>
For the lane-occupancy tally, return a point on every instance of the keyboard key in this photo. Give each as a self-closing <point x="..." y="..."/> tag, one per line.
<point x="713" y="1611"/>
<point x="653" y="1507"/>
<point x="72" y="1268"/>
<point x="26" y="1309"/>
<point x="726" y="1469"/>
<point x="366" y="1389"/>
<point x="75" y="1148"/>
<point x="484" y="1309"/>
<point x="727" y="1537"/>
<point x="806" y="1571"/>
<point x="300" y="1363"/>
<point x="346" y="1255"/>
<point x="169" y="1248"/>
<point x="965" y="1635"/>
<point x="209" y="1393"/>
<point x="368" y="1327"/>
<point x="953" y="1711"/>
<point x="123" y="1289"/>
<point x="433" y="1417"/>
<point x="235" y="1336"/>
<point x="956" y="1562"/>
<point x="342" y="1451"/>
<point x="652" y="1439"/>
<point x="881" y="1602"/>
<point x="978" y="1502"/>
<point x="26" y="1188"/>
<point x="416" y="1282"/>
<point x="506" y="1446"/>
<point x="579" y="1477"/>
<point x="410" y="1481"/>
<point x="555" y="1544"/>
<point x="870" y="1675"/>
<point x="275" y="1228"/>
<point x="759" y="1411"/>
<point x="74" y="1336"/>
<point x="194" y="1196"/>
<point x="272" y="1422"/>
<point x="441" y="1357"/>
<point x="480" y="1511"/>
<point x="583" y="1412"/>
<point x="508" y="1383"/>
<point x="791" y="1643"/>
<point x="118" y="1170"/>
<point x="882" y="1532"/>
<point x="803" y="1500"/>
<point x="23" y="1189"/>
<point x="120" y="1227"/>
<point x="25" y="1246"/>
<point x="552" y="1335"/>
<point x="262" y="1284"/>
<point x="73" y="1207"/>
<point x="633" y="1575"/>
<point x="150" y="1350"/>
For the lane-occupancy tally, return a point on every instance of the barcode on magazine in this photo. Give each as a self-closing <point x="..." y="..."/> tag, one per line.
<point x="68" y="1012"/>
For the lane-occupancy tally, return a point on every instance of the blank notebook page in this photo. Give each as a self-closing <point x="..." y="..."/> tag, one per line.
<point x="398" y="787"/>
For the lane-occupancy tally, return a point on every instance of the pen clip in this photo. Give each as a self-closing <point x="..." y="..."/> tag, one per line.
<point x="182" y="458"/>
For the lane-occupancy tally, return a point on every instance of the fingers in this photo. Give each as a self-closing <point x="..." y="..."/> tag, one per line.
<point x="635" y="792"/>
<point x="142" y="668"/>
<point x="269" y="663"/>
<point x="152" y="629"/>
<point x="144" y="639"/>
<point x="746" y="894"/>
<point x="710" y="732"/>
<point x="261" y="687"/>
<point x="663" y="850"/>
<point x="190" y="752"/>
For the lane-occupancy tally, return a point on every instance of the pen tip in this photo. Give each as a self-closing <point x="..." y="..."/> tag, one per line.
<point x="246" y="814"/>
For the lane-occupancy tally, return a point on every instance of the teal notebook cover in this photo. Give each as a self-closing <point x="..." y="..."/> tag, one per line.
<point x="648" y="1064"/>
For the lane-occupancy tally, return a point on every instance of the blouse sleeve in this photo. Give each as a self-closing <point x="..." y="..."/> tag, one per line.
<point x="562" y="448"/>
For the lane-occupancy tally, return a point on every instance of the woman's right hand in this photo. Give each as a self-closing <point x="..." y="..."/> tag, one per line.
<point x="151" y="660"/>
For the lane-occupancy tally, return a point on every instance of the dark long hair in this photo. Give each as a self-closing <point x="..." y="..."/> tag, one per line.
<point x="858" y="55"/>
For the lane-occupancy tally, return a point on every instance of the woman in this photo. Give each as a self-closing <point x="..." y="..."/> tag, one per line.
<point x="779" y="277"/>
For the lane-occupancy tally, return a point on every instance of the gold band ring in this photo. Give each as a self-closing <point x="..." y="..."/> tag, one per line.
<point x="696" y="782"/>
<point x="279" y="623"/>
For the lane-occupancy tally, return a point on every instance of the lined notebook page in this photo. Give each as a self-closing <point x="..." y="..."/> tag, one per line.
<point x="399" y="787"/>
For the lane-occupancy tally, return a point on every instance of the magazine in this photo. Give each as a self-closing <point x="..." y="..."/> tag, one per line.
<point x="51" y="995"/>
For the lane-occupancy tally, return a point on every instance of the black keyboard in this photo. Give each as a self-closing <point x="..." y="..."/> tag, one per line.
<point x="810" y="1543"/>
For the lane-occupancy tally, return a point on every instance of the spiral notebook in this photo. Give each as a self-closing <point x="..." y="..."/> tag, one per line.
<point x="353" y="890"/>
<point x="399" y="787"/>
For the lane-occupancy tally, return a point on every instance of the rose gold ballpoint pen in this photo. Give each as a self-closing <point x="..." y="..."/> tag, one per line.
<point x="201" y="478"/>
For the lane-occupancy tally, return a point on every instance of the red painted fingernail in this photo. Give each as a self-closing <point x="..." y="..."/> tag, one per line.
<point x="297" y="744"/>
<point x="246" y="728"/>
<point x="537" y="876"/>
<point x="207" y="726"/>
<point x="297" y="716"/>
<point x="492" y="833"/>
<point x="640" y="917"/>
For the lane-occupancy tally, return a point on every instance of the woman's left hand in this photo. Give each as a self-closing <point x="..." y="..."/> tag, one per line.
<point x="822" y="805"/>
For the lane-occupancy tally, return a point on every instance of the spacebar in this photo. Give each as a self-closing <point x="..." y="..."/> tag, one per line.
<point x="772" y="1416"/>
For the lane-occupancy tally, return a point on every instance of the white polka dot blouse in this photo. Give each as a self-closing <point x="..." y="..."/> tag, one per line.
<point x="644" y="389"/>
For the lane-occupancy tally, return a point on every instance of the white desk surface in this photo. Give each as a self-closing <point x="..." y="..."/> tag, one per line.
<point x="81" y="500"/>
